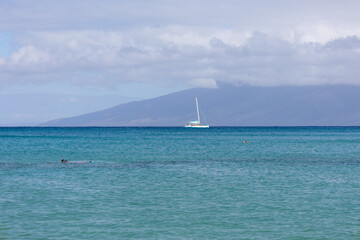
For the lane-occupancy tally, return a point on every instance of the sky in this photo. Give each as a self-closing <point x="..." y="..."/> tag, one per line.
<point x="143" y="49"/>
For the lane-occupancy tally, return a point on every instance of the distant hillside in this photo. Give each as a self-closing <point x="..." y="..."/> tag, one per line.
<point x="235" y="106"/>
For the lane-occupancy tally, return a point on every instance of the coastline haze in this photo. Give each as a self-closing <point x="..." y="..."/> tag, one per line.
<point x="33" y="109"/>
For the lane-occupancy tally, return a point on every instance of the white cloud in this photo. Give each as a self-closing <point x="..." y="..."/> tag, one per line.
<point x="204" y="83"/>
<point x="28" y="58"/>
<point x="195" y="43"/>
<point x="110" y="58"/>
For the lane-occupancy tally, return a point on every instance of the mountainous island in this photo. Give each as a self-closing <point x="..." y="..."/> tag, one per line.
<point x="331" y="105"/>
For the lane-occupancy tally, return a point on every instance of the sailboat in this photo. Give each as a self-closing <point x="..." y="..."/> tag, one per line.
<point x="196" y="124"/>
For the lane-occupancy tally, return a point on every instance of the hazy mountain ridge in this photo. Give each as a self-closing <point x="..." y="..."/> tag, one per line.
<point x="336" y="105"/>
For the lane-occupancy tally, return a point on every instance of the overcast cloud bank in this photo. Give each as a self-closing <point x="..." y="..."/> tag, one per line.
<point x="196" y="44"/>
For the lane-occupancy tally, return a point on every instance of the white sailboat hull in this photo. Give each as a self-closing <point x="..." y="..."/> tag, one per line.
<point x="199" y="126"/>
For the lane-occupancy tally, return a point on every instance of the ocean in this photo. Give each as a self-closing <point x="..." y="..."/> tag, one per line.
<point x="180" y="183"/>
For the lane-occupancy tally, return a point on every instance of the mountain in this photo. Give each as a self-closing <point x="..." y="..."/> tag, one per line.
<point x="337" y="105"/>
<point x="33" y="109"/>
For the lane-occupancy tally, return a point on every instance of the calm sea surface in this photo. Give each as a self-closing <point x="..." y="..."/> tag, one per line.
<point x="177" y="183"/>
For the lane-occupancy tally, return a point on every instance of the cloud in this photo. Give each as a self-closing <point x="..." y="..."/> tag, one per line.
<point x="200" y="43"/>
<point x="28" y="58"/>
<point x="203" y="83"/>
<point x="110" y="58"/>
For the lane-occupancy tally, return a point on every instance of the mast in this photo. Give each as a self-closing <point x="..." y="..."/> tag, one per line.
<point x="197" y="109"/>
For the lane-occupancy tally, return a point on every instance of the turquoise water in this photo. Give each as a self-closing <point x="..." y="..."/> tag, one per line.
<point x="177" y="183"/>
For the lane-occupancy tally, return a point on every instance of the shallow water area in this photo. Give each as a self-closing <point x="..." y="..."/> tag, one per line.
<point x="177" y="183"/>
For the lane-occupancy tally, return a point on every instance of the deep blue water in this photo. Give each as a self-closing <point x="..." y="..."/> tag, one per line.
<point x="177" y="183"/>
